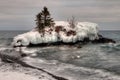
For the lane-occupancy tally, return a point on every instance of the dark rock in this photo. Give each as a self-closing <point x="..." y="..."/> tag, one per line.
<point x="103" y="40"/>
<point x="52" y="44"/>
<point x="23" y="55"/>
<point x="58" y="28"/>
<point x="71" y="32"/>
<point x="9" y="55"/>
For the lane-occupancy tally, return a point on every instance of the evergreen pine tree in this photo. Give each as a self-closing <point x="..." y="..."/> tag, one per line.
<point x="39" y="23"/>
<point x="43" y="20"/>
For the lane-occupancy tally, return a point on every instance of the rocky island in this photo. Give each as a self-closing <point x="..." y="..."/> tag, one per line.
<point x="49" y="32"/>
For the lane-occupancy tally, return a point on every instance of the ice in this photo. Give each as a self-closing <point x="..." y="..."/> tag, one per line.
<point x="72" y="72"/>
<point x="61" y="23"/>
<point x="15" y="71"/>
<point x="89" y="62"/>
<point x="81" y="31"/>
<point x="16" y="76"/>
<point x="87" y="29"/>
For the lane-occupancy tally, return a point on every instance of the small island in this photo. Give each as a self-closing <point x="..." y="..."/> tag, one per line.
<point x="49" y="32"/>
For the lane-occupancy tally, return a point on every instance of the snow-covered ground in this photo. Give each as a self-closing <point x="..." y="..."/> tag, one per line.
<point x="15" y="76"/>
<point x="17" y="72"/>
<point x="61" y="32"/>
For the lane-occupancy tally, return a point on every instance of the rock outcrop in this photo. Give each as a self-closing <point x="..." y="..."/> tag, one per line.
<point x="62" y="34"/>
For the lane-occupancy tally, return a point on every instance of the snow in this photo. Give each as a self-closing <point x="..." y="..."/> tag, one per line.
<point x="66" y="38"/>
<point x="15" y="71"/>
<point x="65" y="24"/>
<point x="81" y="31"/>
<point x="61" y="23"/>
<point x="34" y="37"/>
<point x="16" y="76"/>
<point x="87" y="29"/>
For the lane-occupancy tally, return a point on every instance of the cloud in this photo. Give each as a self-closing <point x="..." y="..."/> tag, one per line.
<point x="19" y="13"/>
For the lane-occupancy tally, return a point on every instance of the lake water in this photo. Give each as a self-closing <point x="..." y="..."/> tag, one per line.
<point x="91" y="62"/>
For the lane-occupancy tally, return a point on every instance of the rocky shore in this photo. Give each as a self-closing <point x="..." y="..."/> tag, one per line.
<point x="13" y="66"/>
<point x="13" y="60"/>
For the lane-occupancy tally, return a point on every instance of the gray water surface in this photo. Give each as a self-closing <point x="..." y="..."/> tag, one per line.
<point x="91" y="62"/>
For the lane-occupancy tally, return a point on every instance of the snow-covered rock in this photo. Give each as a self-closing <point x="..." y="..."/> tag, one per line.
<point x="61" y="32"/>
<point x="87" y="29"/>
<point x="61" y="23"/>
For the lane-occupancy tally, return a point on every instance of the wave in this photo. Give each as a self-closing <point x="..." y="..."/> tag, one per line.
<point x="112" y="46"/>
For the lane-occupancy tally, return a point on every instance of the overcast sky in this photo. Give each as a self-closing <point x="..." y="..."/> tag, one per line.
<point x="20" y="14"/>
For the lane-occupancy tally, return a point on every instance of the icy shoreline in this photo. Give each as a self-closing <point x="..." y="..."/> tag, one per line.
<point x="41" y="69"/>
<point x="14" y="71"/>
<point x="13" y="57"/>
